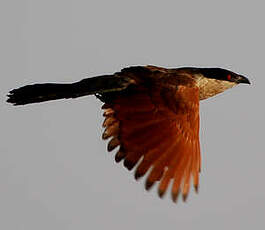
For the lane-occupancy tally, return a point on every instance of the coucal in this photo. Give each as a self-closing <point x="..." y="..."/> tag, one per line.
<point x="151" y="115"/>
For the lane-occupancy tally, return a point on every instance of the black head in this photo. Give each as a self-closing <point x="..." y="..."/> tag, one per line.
<point x="224" y="75"/>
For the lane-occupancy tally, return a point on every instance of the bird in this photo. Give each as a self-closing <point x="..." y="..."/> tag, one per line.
<point x="151" y="117"/>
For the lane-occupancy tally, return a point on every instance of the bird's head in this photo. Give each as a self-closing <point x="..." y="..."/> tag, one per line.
<point x="223" y="75"/>
<point x="212" y="81"/>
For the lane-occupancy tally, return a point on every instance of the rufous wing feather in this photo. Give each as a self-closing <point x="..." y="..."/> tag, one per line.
<point x="159" y="131"/>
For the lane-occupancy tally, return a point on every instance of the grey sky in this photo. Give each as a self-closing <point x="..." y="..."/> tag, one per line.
<point x="55" y="172"/>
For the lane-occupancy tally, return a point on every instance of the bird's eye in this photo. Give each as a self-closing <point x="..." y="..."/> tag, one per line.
<point x="229" y="77"/>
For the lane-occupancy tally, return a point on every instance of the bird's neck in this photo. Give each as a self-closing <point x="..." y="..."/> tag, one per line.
<point x="210" y="87"/>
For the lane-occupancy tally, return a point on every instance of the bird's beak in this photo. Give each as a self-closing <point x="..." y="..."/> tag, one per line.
<point x="242" y="79"/>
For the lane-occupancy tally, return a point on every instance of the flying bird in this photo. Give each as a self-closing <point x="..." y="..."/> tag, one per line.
<point x="151" y="117"/>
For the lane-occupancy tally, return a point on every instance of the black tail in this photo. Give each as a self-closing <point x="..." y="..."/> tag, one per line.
<point x="53" y="91"/>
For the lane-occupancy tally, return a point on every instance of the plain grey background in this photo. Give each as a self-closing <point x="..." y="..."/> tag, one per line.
<point x="55" y="172"/>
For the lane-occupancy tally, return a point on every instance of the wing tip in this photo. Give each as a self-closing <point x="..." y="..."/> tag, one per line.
<point x="149" y="185"/>
<point x="161" y="193"/>
<point x="174" y="196"/>
<point x="196" y="188"/>
<point x="185" y="197"/>
<point x="120" y="155"/>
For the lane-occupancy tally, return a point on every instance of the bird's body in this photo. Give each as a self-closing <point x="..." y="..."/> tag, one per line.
<point x="151" y="114"/>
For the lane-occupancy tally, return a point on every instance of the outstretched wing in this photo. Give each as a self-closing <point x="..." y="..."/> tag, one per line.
<point x="157" y="129"/>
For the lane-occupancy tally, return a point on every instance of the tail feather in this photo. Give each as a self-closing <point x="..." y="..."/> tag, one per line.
<point x="53" y="91"/>
<point x="39" y="93"/>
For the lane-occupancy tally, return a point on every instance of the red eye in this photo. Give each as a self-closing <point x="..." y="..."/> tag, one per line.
<point x="229" y="77"/>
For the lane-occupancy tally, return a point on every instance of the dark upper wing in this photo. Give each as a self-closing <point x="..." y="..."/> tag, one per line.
<point x="157" y="127"/>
